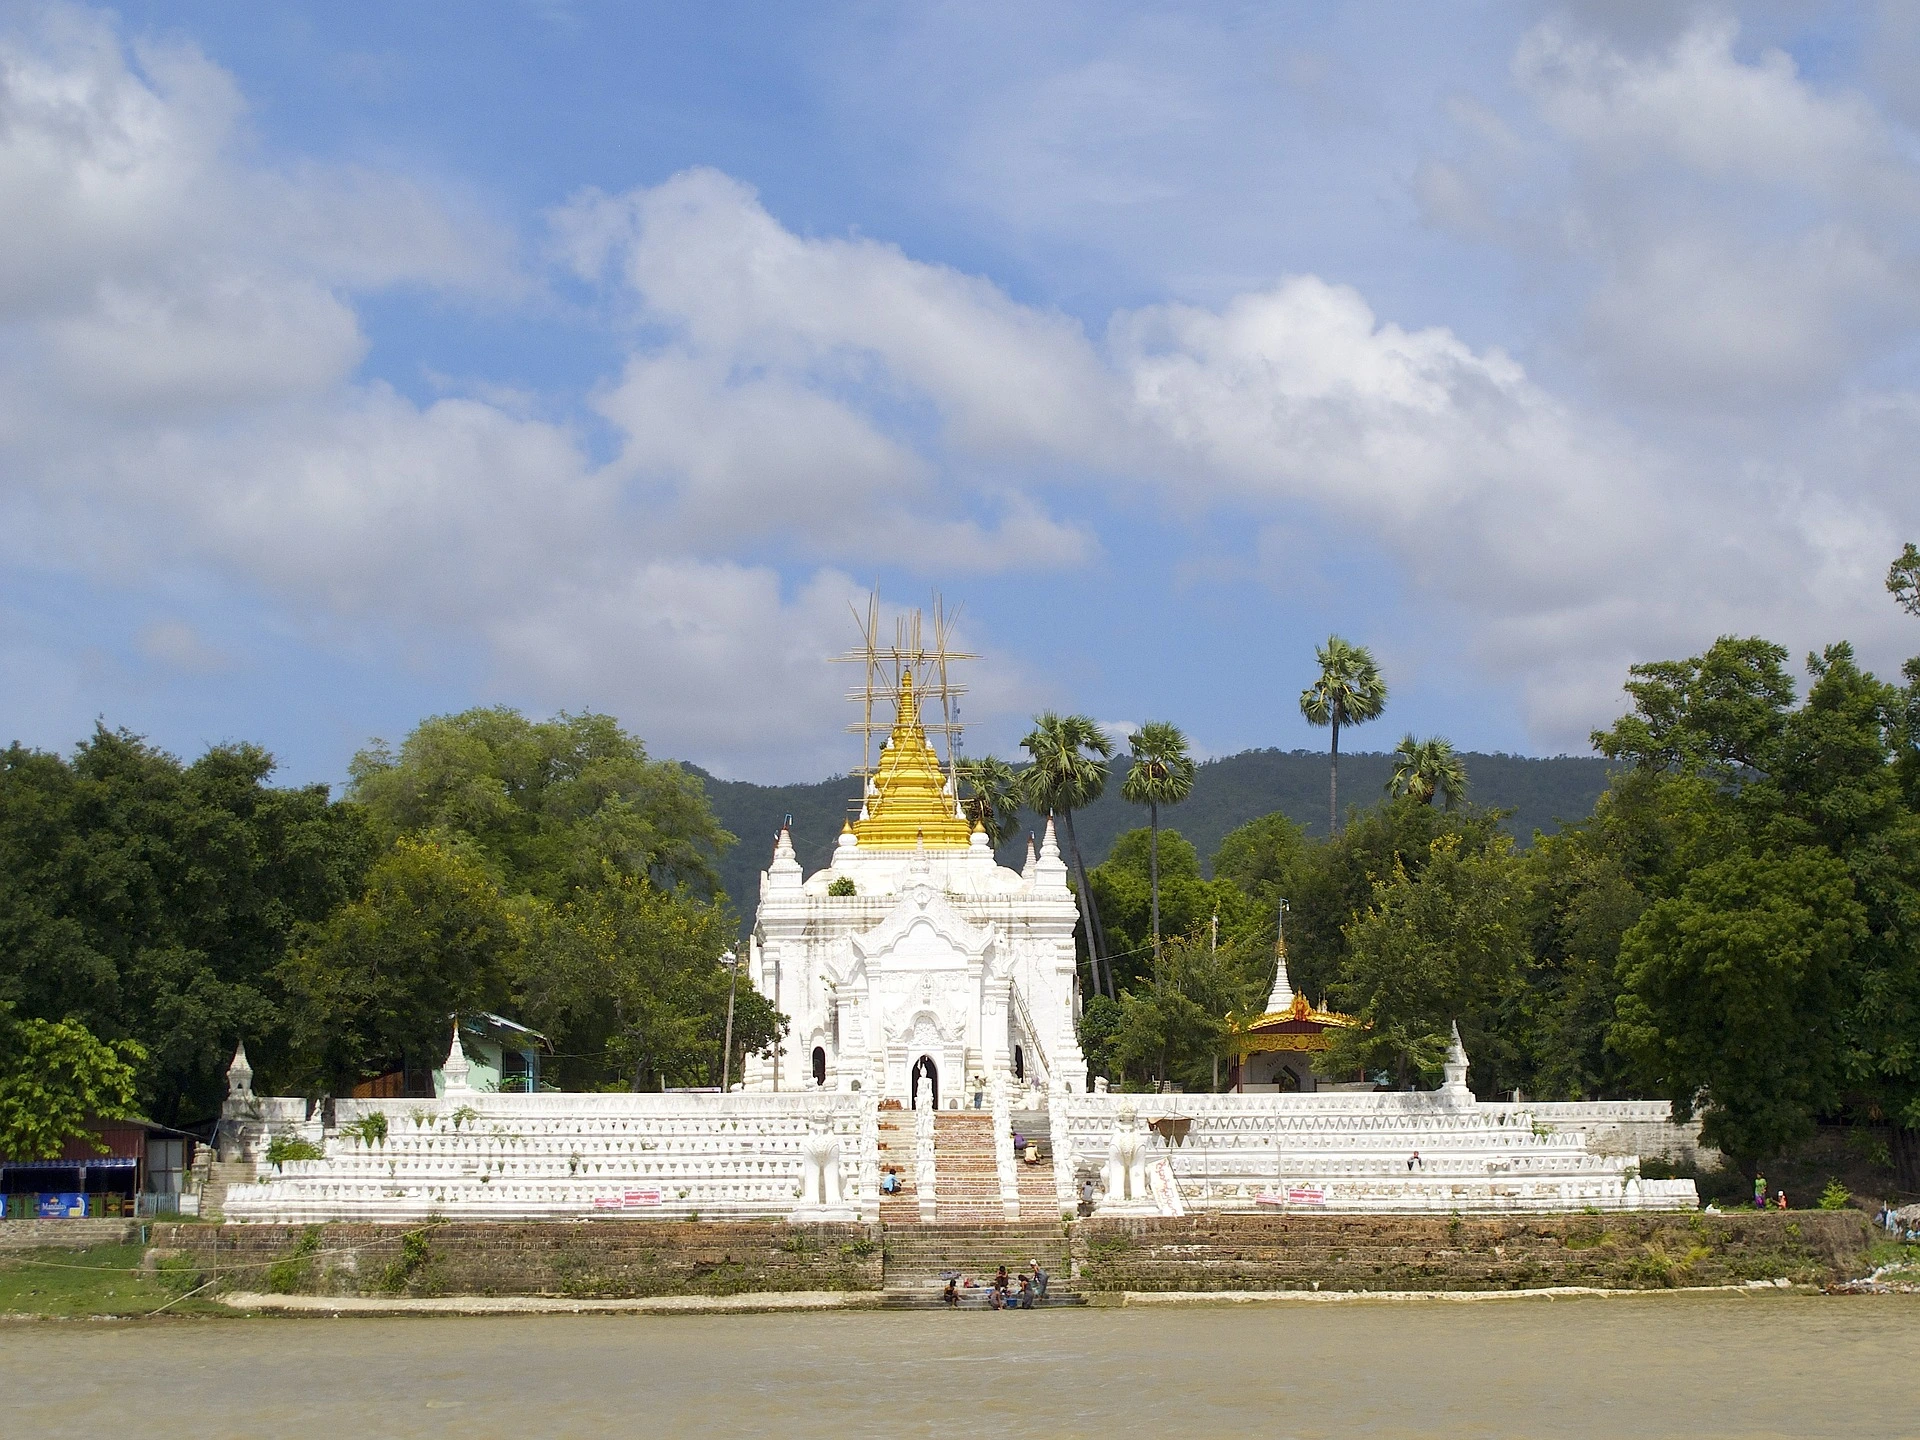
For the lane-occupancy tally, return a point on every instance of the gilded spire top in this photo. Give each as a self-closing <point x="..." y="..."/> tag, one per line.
<point x="907" y="798"/>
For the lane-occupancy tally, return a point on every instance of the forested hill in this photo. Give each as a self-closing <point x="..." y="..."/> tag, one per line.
<point x="1226" y="793"/>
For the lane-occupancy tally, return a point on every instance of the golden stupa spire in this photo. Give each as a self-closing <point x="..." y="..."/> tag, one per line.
<point x="909" y="802"/>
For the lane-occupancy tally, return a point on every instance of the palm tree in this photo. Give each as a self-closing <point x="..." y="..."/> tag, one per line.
<point x="1348" y="692"/>
<point x="1428" y="770"/>
<point x="1069" y="771"/>
<point x="1161" y="774"/>
<point x="990" y="797"/>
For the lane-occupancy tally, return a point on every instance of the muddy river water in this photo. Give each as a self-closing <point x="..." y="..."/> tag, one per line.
<point x="1709" y="1365"/>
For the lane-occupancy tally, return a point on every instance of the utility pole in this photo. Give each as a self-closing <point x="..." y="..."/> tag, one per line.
<point x="732" y="963"/>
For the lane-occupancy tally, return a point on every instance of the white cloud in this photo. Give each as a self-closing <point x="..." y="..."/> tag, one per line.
<point x="177" y="646"/>
<point x="179" y="391"/>
<point x="1743" y="236"/>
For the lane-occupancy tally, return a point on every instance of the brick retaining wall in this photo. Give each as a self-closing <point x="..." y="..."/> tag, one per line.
<point x="66" y="1234"/>
<point x="1403" y="1252"/>
<point x="601" y="1258"/>
<point x="630" y="1258"/>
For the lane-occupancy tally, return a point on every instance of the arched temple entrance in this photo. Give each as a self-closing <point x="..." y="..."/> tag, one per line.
<point x="819" y="1065"/>
<point x="925" y="1068"/>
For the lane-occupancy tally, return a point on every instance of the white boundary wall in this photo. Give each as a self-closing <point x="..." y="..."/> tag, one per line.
<point x="1347" y="1151"/>
<point x="571" y="1156"/>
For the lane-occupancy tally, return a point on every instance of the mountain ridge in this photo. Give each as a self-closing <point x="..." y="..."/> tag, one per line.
<point x="1542" y="792"/>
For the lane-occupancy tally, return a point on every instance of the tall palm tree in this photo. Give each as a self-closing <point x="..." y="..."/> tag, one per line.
<point x="1348" y="692"/>
<point x="990" y="797"/>
<point x="1161" y="774"/>
<point x="1428" y="770"/>
<point x="1069" y="772"/>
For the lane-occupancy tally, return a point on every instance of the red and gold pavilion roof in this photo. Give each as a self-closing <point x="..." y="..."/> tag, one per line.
<point x="1300" y="1026"/>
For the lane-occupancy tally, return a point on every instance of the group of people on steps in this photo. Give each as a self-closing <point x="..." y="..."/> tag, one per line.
<point x="1001" y="1290"/>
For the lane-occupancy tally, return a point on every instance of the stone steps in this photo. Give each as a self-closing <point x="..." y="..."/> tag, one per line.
<point x="223" y="1175"/>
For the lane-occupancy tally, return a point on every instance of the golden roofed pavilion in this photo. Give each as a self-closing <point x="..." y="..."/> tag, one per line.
<point x="908" y="802"/>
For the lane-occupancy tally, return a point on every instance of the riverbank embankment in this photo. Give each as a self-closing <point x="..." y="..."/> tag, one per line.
<point x="1449" y="1253"/>
<point x="613" y="1260"/>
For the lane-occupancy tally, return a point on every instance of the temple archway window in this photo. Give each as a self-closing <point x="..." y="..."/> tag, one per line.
<point x="819" y="1065"/>
<point x="1019" y="1063"/>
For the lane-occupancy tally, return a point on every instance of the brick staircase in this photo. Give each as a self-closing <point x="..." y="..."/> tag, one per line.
<point x="222" y="1175"/>
<point x="918" y="1257"/>
<point x="966" y="1170"/>
<point x="1038" y="1202"/>
<point x="897" y="1150"/>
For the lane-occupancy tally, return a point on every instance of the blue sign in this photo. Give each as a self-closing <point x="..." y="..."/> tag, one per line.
<point x="65" y="1206"/>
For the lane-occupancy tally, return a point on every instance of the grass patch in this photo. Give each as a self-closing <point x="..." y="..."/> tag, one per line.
<point x="295" y="1272"/>
<point x="1892" y="1252"/>
<point x="100" y="1280"/>
<point x="414" y="1262"/>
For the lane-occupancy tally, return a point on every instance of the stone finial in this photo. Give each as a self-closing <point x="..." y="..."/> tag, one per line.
<point x="1026" y="871"/>
<point x="240" y="1074"/>
<point x="456" y="1070"/>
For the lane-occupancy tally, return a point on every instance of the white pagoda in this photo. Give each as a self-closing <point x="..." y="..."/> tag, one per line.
<point x="916" y="962"/>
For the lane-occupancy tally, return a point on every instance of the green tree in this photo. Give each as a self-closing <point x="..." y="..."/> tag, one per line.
<point x="1444" y="944"/>
<point x="629" y="973"/>
<point x="1731" y="988"/>
<point x="1122" y="888"/>
<point x="1717" y="714"/>
<point x="1328" y="884"/>
<point x="1581" y="903"/>
<point x="1348" y="692"/>
<point x="1099" y="1023"/>
<point x="1160" y="773"/>
<point x="1903" y="579"/>
<point x="990" y="797"/>
<point x="1174" y="1026"/>
<point x="1068" y="773"/>
<point x="549" y="804"/>
<point x="1428" y="770"/>
<point x="372" y="987"/>
<point x="151" y="900"/>
<point x="55" y="1079"/>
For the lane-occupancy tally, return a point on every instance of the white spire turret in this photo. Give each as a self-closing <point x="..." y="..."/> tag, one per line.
<point x="240" y="1074"/>
<point x="1282" y="996"/>
<point x="1050" y="873"/>
<point x="784" y="872"/>
<point x="456" y="1070"/>
<point x="1455" y="1087"/>
<point x="1026" y="871"/>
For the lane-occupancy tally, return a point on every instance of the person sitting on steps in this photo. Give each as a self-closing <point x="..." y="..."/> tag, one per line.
<point x="951" y="1294"/>
<point x="890" y="1182"/>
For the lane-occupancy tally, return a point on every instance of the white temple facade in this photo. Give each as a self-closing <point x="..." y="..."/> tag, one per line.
<point x="916" y="962"/>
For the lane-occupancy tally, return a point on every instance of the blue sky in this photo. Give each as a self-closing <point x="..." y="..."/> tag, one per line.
<point x="363" y="362"/>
